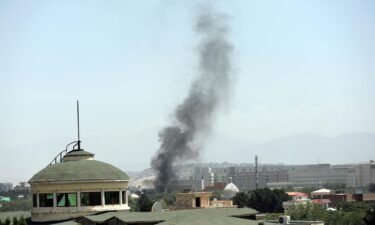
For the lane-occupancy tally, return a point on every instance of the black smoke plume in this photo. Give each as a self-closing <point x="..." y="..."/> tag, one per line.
<point x="194" y="116"/>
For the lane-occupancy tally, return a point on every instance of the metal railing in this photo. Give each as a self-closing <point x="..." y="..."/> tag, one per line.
<point x="61" y="155"/>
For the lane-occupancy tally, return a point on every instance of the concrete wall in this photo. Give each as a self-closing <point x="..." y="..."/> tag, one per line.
<point x="188" y="200"/>
<point x="221" y="203"/>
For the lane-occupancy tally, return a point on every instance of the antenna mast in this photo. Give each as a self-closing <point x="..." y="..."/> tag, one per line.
<point x="256" y="172"/>
<point x="79" y="139"/>
<point x="318" y="170"/>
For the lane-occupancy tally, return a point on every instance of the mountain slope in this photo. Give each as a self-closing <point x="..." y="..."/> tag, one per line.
<point x="305" y="148"/>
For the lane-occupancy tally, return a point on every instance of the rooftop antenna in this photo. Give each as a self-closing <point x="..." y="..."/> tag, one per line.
<point x="77" y="143"/>
<point x="256" y="172"/>
<point x="79" y="139"/>
<point x="318" y="170"/>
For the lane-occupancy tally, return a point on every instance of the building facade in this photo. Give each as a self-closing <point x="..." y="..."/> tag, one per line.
<point x="193" y="200"/>
<point x="347" y="176"/>
<point x="4" y="187"/>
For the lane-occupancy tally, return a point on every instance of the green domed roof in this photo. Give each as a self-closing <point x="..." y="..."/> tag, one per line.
<point x="80" y="170"/>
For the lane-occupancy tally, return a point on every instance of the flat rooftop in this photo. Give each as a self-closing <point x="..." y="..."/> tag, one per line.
<point x="214" y="216"/>
<point x="209" y="216"/>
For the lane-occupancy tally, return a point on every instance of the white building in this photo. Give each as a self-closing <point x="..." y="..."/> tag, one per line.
<point x="230" y="191"/>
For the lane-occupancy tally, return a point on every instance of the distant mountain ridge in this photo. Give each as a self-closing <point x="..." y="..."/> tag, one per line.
<point x="134" y="153"/>
<point x="305" y="148"/>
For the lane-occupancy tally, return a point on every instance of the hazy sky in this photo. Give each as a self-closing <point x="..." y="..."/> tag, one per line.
<point x="301" y="67"/>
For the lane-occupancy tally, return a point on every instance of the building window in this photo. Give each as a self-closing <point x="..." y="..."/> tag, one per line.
<point x="123" y="197"/>
<point x="112" y="198"/>
<point x="46" y="200"/>
<point x="35" y="204"/>
<point x="66" y="199"/>
<point x="91" y="198"/>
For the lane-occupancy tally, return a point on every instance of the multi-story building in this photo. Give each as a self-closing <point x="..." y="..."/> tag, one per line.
<point x="326" y="175"/>
<point x="361" y="175"/>
<point x="352" y="176"/>
<point x="4" y="187"/>
<point x="22" y="186"/>
<point x="221" y="175"/>
<point x="202" y="177"/>
<point x="316" y="176"/>
<point x="245" y="178"/>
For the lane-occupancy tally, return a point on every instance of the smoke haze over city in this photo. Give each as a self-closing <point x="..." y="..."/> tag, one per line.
<point x="193" y="118"/>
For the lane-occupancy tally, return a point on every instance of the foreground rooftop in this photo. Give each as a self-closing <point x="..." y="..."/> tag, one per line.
<point x="180" y="217"/>
<point x="209" y="216"/>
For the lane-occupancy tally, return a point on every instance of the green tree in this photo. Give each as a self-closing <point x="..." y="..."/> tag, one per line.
<point x="7" y="221"/>
<point x="315" y="212"/>
<point x="1" y="222"/>
<point x="306" y="212"/>
<point x="370" y="217"/>
<point x="145" y="203"/>
<point x="272" y="216"/>
<point x="353" y="206"/>
<point x="262" y="200"/>
<point x="241" y="199"/>
<point x="22" y="221"/>
<point x="353" y="218"/>
<point x="280" y="196"/>
<point x="133" y="204"/>
<point x="265" y="200"/>
<point x="167" y="198"/>
<point x="17" y="205"/>
<point x="15" y="221"/>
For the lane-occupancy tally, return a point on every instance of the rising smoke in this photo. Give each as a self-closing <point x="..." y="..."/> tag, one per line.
<point x="194" y="116"/>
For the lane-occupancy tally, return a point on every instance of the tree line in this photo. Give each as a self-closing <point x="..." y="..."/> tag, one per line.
<point x="263" y="200"/>
<point x="15" y="221"/>
<point x="270" y="202"/>
<point x="348" y="214"/>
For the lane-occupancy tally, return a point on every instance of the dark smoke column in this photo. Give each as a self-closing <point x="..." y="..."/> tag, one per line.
<point x="194" y="116"/>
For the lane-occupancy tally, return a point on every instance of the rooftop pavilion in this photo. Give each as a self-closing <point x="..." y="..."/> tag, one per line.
<point x="74" y="184"/>
<point x="77" y="186"/>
